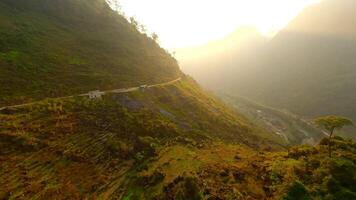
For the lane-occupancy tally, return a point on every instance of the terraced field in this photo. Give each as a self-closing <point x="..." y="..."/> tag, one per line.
<point x="80" y="147"/>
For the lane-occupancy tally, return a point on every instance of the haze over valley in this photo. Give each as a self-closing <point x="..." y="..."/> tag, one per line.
<point x="307" y="68"/>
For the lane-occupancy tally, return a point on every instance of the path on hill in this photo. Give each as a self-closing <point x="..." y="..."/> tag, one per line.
<point x="117" y="91"/>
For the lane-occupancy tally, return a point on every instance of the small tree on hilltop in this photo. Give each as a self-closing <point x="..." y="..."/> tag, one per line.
<point x="134" y="22"/>
<point x="115" y="4"/>
<point x="155" y="37"/>
<point x="332" y="123"/>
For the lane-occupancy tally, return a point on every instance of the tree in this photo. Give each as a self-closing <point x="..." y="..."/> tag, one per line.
<point x="115" y="4"/>
<point x="143" y="28"/>
<point x="134" y="22"/>
<point x="155" y="37"/>
<point x="332" y="123"/>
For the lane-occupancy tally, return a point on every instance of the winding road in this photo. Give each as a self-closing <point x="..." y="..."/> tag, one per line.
<point x="122" y="90"/>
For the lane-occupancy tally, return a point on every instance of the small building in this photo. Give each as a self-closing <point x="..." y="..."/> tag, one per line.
<point x="96" y="94"/>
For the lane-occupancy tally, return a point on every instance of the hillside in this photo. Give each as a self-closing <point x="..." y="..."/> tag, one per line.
<point x="169" y="142"/>
<point x="50" y="146"/>
<point x="166" y="142"/>
<point x="154" y="135"/>
<point x="77" y="147"/>
<point x="65" y="47"/>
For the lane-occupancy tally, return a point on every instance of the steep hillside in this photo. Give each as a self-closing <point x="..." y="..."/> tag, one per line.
<point x="50" y="147"/>
<point x="130" y="144"/>
<point x="64" y="47"/>
<point x="140" y="146"/>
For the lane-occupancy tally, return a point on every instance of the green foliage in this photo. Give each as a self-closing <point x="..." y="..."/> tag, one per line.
<point x="111" y="142"/>
<point x="11" y="57"/>
<point x="297" y="191"/>
<point x="189" y="190"/>
<point x="49" y="49"/>
<point x="331" y="123"/>
<point x="344" y="171"/>
<point x="184" y="188"/>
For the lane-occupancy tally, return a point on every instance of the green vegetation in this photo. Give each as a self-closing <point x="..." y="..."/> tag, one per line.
<point x="171" y="141"/>
<point x="50" y="146"/>
<point x="150" y="145"/>
<point x="67" y="47"/>
<point x="332" y="123"/>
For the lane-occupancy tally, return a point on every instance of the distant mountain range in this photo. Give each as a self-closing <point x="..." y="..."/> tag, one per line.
<point x="308" y="68"/>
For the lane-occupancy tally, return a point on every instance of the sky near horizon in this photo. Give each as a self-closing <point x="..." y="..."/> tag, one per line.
<point x="186" y="23"/>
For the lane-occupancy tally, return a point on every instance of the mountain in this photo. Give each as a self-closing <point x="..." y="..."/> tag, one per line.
<point x="330" y="17"/>
<point x="152" y="133"/>
<point x="208" y="63"/>
<point x="64" y="47"/>
<point x="308" y="68"/>
<point x="105" y="146"/>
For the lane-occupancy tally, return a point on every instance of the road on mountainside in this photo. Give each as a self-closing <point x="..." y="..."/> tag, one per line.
<point x="123" y="90"/>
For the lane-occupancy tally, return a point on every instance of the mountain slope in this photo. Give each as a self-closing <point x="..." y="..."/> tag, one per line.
<point x="162" y="141"/>
<point x="52" y="145"/>
<point x="308" y="68"/>
<point x="77" y="147"/>
<point x="330" y="17"/>
<point x="209" y="63"/>
<point x="64" y="47"/>
<point x="139" y="146"/>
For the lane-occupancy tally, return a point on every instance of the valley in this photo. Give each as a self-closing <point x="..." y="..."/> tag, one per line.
<point x="293" y="128"/>
<point x="307" y="68"/>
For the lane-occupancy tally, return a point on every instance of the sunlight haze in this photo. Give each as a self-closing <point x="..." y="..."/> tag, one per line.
<point x="188" y="23"/>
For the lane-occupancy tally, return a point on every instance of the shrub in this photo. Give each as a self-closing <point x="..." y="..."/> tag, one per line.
<point x="297" y="152"/>
<point x="297" y="191"/>
<point x="345" y="195"/>
<point x="189" y="190"/>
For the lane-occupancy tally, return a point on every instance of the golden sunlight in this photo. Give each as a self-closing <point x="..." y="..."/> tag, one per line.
<point x="187" y="23"/>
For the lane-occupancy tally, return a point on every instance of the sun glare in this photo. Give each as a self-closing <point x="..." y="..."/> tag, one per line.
<point x="187" y="23"/>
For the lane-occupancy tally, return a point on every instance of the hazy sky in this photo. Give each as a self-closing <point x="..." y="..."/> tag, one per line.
<point x="184" y="23"/>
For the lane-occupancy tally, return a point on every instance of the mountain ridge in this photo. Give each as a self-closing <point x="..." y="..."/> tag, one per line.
<point x="50" y="50"/>
<point x="307" y="68"/>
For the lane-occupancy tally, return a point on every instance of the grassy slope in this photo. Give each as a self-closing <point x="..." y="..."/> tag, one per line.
<point x="49" y="147"/>
<point x="56" y="48"/>
<point x="140" y="146"/>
